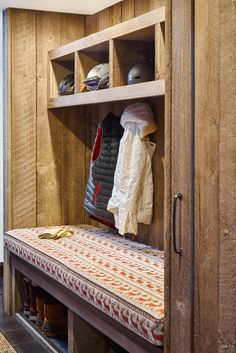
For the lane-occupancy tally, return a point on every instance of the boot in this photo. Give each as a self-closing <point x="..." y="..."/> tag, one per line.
<point x="26" y="308"/>
<point x="40" y="300"/>
<point x="33" y="308"/>
<point x="55" y="318"/>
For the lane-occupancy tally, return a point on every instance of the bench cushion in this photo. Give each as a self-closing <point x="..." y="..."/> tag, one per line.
<point x="124" y="279"/>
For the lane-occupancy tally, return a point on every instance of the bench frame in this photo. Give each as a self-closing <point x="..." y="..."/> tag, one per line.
<point x="78" y="309"/>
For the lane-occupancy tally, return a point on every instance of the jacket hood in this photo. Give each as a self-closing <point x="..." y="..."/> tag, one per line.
<point x="141" y="115"/>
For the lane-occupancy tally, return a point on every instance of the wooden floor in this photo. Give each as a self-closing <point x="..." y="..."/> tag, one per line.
<point x="20" y="339"/>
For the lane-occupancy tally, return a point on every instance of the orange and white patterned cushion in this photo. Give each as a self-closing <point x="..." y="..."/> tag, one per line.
<point x="122" y="278"/>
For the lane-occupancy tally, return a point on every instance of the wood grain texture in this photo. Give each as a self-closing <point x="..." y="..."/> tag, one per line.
<point x="56" y="175"/>
<point x="23" y="119"/>
<point x="167" y="175"/>
<point x="7" y="280"/>
<point x="127" y="9"/>
<point x="49" y="128"/>
<point x="215" y="178"/>
<point x="227" y="188"/>
<point x="207" y="177"/>
<point x="141" y="7"/>
<point x="107" y="33"/>
<point x="141" y="90"/>
<point x="73" y="140"/>
<point x="79" y="332"/>
<point x="73" y="165"/>
<point x="7" y="126"/>
<point x="181" y="315"/>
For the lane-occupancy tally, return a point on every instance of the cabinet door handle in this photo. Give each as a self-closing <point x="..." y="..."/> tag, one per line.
<point x="177" y="197"/>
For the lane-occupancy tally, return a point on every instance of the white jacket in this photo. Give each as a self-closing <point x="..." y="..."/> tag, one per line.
<point x="132" y="196"/>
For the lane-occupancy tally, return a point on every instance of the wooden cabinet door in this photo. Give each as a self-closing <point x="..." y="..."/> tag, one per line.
<point x="179" y="107"/>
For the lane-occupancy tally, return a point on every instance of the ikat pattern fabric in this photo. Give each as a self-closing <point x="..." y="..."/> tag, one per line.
<point x="124" y="279"/>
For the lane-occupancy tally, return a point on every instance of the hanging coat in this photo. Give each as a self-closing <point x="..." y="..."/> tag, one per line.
<point x="102" y="169"/>
<point x="132" y="196"/>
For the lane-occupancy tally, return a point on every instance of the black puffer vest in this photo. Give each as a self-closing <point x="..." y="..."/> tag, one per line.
<point x="102" y="169"/>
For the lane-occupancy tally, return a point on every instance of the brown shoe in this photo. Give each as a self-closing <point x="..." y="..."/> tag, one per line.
<point x="33" y="308"/>
<point x="40" y="310"/>
<point x="55" y="319"/>
<point x="40" y="300"/>
<point x="26" y="308"/>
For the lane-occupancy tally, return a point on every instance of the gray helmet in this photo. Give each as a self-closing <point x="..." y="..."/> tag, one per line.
<point x="141" y="72"/>
<point x="66" y="86"/>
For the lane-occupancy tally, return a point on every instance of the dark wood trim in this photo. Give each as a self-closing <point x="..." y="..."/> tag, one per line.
<point x="112" y="329"/>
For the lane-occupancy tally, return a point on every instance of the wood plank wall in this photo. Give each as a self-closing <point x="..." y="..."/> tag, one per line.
<point x="215" y="187"/>
<point x="49" y="152"/>
<point x="120" y="12"/>
<point x="36" y="149"/>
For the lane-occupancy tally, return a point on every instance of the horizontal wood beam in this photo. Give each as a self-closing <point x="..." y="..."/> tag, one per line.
<point x="115" y="94"/>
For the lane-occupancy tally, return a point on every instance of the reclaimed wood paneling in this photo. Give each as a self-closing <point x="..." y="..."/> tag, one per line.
<point x="22" y="181"/>
<point x="36" y="161"/>
<point x="167" y="174"/>
<point x="227" y="188"/>
<point x="215" y="178"/>
<point x="128" y="9"/>
<point x="181" y="318"/>
<point x="73" y="140"/>
<point x="49" y="128"/>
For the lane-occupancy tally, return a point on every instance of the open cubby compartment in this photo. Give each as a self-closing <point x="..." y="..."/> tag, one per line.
<point x="87" y="59"/>
<point x="145" y="45"/>
<point x="59" y="69"/>
<point x="128" y="50"/>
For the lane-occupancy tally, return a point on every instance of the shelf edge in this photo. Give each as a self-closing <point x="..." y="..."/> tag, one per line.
<point x="115" y="94"/>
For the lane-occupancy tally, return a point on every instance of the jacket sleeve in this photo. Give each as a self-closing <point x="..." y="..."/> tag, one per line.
<point x="131" y="164"/>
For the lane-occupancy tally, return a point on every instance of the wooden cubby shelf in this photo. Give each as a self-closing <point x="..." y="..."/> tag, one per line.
<point x="122" y="46"/>
<point x="140" y="90"/>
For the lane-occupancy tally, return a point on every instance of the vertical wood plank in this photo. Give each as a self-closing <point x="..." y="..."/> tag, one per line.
<point x="7" y="75"/>
<point x="207" y="175"/>
<point x="155" y="232"/>
<point x="103" y="19"/>
<point x="167" y="176"/>
<point x="141" y="7"/>
<point x="73" y="139"/>
<point x="115" y="14"/>
<point x="160" y="65"/>
<point x="127" y="9"/>
<point x="181" y="176"/>
<point x="91" y="24"/>
<point x="82" y="337"/>
<point x="154" y="4"/>
<point x="72" y="27"/>
<point x="215" y="174"/>
<point x="49" y="147"/>
<point x="227" y="187"/>
<point x="17" y="291"/>
<point x="7" y="282"/>
<point x="23" y="119"/>
<point x="73" y="162"/>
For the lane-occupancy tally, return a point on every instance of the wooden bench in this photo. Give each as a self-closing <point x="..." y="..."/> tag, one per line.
<point x="114" y="285"/>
